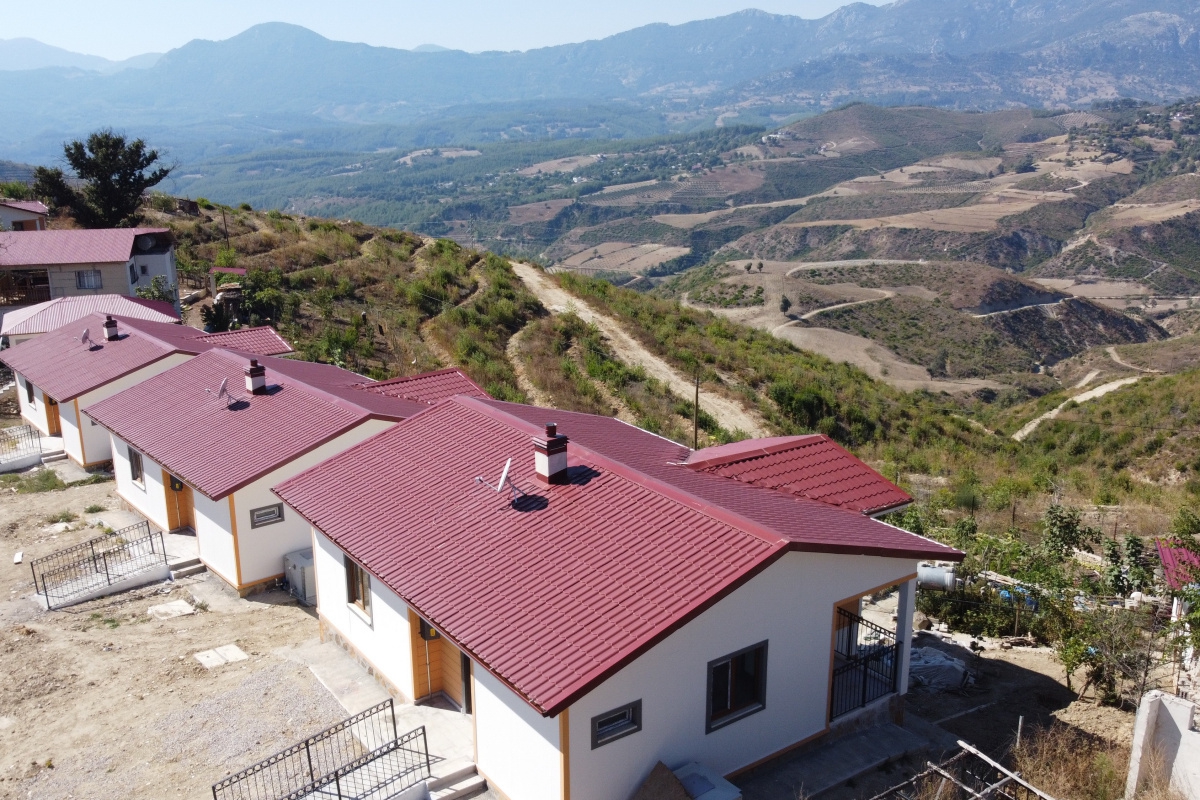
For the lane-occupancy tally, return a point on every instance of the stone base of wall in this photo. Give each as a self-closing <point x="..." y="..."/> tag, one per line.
<point x="332" y="634"/>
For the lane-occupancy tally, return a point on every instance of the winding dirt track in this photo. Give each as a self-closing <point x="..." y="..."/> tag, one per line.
<point x="729" y="413"/>
<point x="1099" y="391"/>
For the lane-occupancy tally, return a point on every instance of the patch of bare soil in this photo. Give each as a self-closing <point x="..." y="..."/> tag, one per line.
<point x="100" y="700"/>
<point x="537" y="212"/>
<point x="731" y="414"/>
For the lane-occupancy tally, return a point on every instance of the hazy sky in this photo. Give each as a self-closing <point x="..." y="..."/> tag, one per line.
<point x="118" y="29"/>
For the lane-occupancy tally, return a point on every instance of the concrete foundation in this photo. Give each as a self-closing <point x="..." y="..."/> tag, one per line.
<point x="1165" y="740"/>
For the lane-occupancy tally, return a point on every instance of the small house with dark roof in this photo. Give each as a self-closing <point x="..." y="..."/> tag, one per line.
<point x="601" y="599"/>
<point x="199" y="446"/>
<point x="97" y="355"/>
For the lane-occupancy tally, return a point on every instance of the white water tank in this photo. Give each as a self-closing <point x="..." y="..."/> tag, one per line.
<point x="936" y="576"/>
<point x="300" y="576"/>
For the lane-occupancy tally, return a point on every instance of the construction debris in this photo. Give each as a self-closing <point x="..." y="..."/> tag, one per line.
<point x="934" y="669"/>
<point x="975" y="774"/>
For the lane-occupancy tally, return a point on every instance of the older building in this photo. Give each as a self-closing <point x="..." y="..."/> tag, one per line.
<point x="42" y="265"/>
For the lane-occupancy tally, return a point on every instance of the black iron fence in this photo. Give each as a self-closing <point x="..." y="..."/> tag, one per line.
<point x="360" y="758"/>
<point x="866" y="662"/>
<point x="68" y="575"/>
<point x="18" y="443"/>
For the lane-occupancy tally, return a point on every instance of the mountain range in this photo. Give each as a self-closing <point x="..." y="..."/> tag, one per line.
<point x="280" y="85"/>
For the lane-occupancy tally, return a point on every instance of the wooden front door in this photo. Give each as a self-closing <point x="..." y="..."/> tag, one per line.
<point x="437" y="664"/>
<point x="53" y="423"/>
<point x="179" y="503"/>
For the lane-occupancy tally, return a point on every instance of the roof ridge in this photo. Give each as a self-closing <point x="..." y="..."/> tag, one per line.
<point x="732" y="455"/>
<point x="269" y="361"/>
<point x="657" y="485"/>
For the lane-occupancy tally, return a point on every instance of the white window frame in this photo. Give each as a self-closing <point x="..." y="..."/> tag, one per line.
<point x="255" y="522"/>
<point x="85" y="278"/>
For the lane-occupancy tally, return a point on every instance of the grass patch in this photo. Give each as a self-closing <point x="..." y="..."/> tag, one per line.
<point x="42" y="480"/>
<point x="62" y="516"/>
<point x="94" y="508"/>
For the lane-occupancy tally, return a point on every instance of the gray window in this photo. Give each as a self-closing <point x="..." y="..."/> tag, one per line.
<point x="616" y="724"/>
<point x="737" y="686"/>
<point x="30" y="397"/>
<point x="358" y="586"/>
<point x="88" y="279"/>
<point x="136" y="472"/>
<point x="267" y="515"/>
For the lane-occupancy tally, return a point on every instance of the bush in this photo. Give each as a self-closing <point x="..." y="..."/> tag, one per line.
<point x="205" y="203"/>
<point x="245" y="207"/>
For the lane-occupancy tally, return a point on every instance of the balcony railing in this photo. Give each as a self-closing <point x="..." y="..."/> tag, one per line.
<point x="866" y="662"/>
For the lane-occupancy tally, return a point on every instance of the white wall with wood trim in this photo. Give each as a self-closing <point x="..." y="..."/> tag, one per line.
<point x="518" y="747"/>
<point x="385" y="638"/>
<point x="261" y="550"/>
<point x="214" y="536"/>
<point x="148" y="498"/>
<point x="789" y="605"/>
<point x="88" y="443"/>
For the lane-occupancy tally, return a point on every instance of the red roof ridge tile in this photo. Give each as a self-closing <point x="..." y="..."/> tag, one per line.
<point x="748" y="448"/>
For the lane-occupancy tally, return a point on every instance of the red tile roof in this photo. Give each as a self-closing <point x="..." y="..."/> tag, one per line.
<point x="805" y="466"/>
<point x="429" y="387"/>
<point x="66" y="310"/>
<point x="263" y="341"/>
<point x="217" y="445"/>
<point x="41" y="248"/>
<point x="62" y="367"/>
<point x="556" y="591"/>
<point x="1181" y="567"/>
<point x="30" y="206"/>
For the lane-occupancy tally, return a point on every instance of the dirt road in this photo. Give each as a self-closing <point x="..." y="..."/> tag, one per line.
<point x="1099" y="391"/>
<point x="729" y="413"/>
<point x="884" y="294"/>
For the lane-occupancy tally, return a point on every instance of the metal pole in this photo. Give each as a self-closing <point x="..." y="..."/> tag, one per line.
<point x="107" y="577"/>
<point x="696" y="414"/>
<point x="312" y="774"/>
<point x="1015" y="776"/>
<point x="425" y="744"/>
<point x="1020" y="725"/>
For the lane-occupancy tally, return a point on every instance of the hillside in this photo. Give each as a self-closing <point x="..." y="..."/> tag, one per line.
<point x="386" y="302"/>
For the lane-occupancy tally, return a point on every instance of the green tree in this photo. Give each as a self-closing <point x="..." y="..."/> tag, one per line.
<point x="115" y="172"/>
<point x="216" y="318"/>
<point x="158" y="289"/>
<point x="1114" y="568"/>
<point x="15" y="190"/>
<point x="1063" y="532"/>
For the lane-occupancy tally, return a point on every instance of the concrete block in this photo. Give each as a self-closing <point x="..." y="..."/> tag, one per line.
<point x="219" y="656"/>
<point x="175" y="608"/>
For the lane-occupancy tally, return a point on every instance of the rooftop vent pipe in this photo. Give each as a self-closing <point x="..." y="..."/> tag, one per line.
<point x="550" y="456"/>
<point x="256" y="378"/>
<point x="110" y="329"/>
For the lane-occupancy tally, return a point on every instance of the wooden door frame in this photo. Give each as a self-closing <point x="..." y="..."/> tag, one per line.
<point x="53" y="418"/>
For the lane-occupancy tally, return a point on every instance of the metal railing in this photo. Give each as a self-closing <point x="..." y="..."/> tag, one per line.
<point x="18" y="442"/>
<point x="68" y="574"/>
<point x="360" y="758"/>
<point x="866" y="660"/>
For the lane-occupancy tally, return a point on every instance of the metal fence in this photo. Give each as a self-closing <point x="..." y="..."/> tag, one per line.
<point x="69" y="574"/>
<point x="866" y="659"/>
<point x="361" y="758"/>
<point x="18" y="443"/>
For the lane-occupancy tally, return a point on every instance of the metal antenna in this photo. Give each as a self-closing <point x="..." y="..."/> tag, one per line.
<point x="503" y="478"/>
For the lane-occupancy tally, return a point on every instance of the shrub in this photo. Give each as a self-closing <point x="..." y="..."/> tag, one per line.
<point x="62" y="516"/>
<point x="205" y="203"/>
<point x="94" y="508"/>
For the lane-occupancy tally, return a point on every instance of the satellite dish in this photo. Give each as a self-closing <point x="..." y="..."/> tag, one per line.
<point x="504" y="475"/>
<point x="224" y="390"/>
<point x="86" y="337"/>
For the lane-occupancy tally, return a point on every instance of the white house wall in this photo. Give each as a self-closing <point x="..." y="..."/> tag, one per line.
<point x="385" y="640"/>
<point x="34" y="413"/>
<point x="791" y="606"/>
<point x="214" y="539"/>
<point x="149" y="499"/>
<point x="519" y="748"/>
<point x="96" y="443"/>
<point x="261" y="550"/>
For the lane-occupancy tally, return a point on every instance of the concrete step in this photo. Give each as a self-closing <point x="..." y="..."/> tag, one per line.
<point x="56" y="455"/>
<point x="467" y="787"/>
<point x="183" y="562"/>
<point x="178" y="572"/>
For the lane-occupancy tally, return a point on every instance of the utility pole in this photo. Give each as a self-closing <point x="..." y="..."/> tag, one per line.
<point x="225" y="225"/>
<point x="696" y="414"/>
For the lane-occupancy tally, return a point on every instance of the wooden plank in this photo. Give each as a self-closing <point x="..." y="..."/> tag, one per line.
<point x="451" y="672"/>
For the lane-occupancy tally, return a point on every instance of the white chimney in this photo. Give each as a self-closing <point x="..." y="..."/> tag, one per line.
<point x="256" y="378"/>
<point x="110" y="329"/>
<point x="550" y="456"/>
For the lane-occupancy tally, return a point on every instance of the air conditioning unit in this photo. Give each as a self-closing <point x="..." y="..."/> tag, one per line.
<point x="301" y="576"/>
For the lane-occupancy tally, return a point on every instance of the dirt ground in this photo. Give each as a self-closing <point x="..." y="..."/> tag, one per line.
<point x="101" y="700"/>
